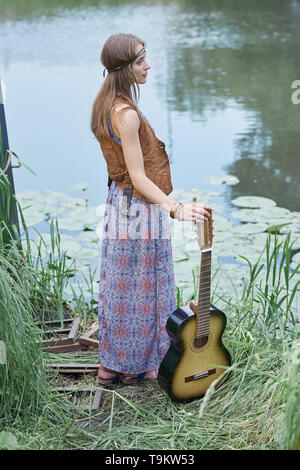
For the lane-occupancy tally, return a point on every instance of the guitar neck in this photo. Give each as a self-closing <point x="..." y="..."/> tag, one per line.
<point x="203" y="306"/>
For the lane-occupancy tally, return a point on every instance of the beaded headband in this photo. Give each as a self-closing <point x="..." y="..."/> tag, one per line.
<point x="124" y="65"/>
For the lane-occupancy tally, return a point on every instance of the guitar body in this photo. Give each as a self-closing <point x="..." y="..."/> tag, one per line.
<point x="187" y="371"/>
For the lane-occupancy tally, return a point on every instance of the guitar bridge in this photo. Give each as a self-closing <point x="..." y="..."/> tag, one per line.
<point x="201" y="375"/>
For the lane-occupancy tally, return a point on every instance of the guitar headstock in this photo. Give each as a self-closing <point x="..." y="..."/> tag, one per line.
<point x="205" y="233"/>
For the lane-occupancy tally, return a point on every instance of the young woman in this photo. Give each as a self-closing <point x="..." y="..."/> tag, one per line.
<point x="137" y="290"/>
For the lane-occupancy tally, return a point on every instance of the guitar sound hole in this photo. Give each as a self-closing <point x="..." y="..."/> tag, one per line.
<point x="200" y="342"/>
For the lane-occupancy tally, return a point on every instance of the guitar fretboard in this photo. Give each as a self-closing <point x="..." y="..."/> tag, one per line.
<point x="203" y="317"/>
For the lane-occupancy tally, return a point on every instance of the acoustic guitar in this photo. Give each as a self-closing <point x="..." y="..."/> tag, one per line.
<point x="196" y="356"/>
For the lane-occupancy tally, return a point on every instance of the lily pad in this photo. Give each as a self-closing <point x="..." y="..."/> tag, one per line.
<point x="273" y="215"/>
<point x="274" y="226"/>
<point x="100" y="210"/>
<point x="32" y="217"/>
<point x="258" y="239"/>
<point x="67" y="243"/>
<point x="74" y="202"/>
<point x="296" y="258"/>
<point x="221" y="223"/>
<point x="250" y="255"/>
<point x="29" y="194"/>
<point x="89" y="237"/>
<point x="233" y="270"/>
<point x="79" y="187"/>
<point x="212" y="194"/>
<point x="226" y="179"/>
<point x="253" y="202"/>
<point x="182" y="195"/>
<point x="55" y="196"/>
<point x="183" y="271"/>
<point x="293" y="228"/>
<point x="221" y="236"/>
<point x="296" y="216"/>
<point x="73" y="290"/>
<point x="51" y="203"/>
<point x="192" y="246"/>
<point x="178" y="257"/>
<point x="249" y="228"/>
<point x="86" y="253"/>
<point x="43" y="207"/>
<point x="233" y="247"/>
<point x="220" y="249"/>
<point x="295" y="265"/>
<point x="207" y="197"/>
<point x="78" y="219"/>
<point x="77" y="264"/>
<point x="181" y="231"/>
<point x="296" y="242"/>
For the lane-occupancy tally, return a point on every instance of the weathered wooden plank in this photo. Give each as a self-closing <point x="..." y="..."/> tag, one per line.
<point x="88" y="342"/>
<point x="55" y="322"/>
<point x="59" y="341"/>
<point x="55" y="342"/>
<point x="74" y="365"/>
<point x="86" y="338"/>
<point x="97" y="399"/>
<point x="77" y="371"/>
<point x="76" y="388"/>
<point x="67" y="348"/>
<point x="62" y="331"/>
<point x="74" y="329"/>
<point x="90" y="332"/>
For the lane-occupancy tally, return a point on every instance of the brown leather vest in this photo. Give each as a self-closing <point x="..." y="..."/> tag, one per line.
<point x="156" y="161"/>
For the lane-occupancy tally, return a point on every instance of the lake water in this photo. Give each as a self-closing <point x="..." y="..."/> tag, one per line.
<point x="218" y="92"/>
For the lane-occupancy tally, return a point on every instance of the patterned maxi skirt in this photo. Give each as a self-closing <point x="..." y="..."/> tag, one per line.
<point x="137" y="290"/>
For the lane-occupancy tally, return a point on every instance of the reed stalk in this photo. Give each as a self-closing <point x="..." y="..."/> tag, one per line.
<point x="268" y="288"/>
<point x="8" y="206"/>
<point x="22" y="375"/>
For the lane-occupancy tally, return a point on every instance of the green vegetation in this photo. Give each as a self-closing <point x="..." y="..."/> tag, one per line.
<point x="256" y="408"/>
<point x="223" y="54"/>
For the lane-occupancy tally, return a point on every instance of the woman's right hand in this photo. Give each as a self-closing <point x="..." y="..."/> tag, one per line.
<point x="194" y="212"/>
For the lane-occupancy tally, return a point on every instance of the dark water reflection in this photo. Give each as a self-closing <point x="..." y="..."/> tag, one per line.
<point x="247" y="54"/>
<point x="217" y="56"/>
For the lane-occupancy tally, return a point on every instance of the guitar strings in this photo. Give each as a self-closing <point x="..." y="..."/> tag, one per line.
<point x="202" y="322"/>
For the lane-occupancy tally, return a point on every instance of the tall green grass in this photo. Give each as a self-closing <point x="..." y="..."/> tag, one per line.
<point x="291" y="425"/>
<point x="44" y="279"/>
<point x="48" y="275"/>
<point x="31" y="290"/>
<point x="23" y="385"/>
<point x="256" y="408"/>
<point x="8" y="207"/>
<point x="269" y="293"/>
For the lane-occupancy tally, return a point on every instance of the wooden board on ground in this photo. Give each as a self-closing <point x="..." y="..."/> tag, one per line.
<point x="58" y="343"/>
<point x="73" y="365"/>
<point x="61" y="348"/>
<point x="73" y="368"/>
<point x="55" y="322"/>
<point x="87" y="338"/>
<point x="74" y="329"/>
<point x="75" y="389"/>
<point x="62" y="331"/>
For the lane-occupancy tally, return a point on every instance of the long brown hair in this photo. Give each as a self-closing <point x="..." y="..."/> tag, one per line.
<point x="117" y="50"/>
